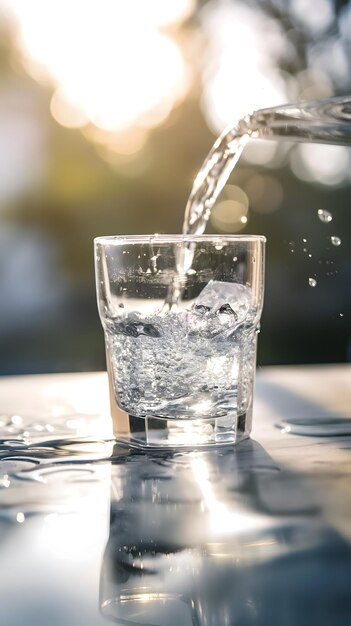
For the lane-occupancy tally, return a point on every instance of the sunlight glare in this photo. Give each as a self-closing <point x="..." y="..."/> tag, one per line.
<point x="240" y="72"/>
<point x="108" y="60"/>
<point x="222" y="521"/>
<point x="328" y="165"/>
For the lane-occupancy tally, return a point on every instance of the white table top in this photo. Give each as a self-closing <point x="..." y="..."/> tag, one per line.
<point x="281" y="393"/>
<point x="262" y="506"/>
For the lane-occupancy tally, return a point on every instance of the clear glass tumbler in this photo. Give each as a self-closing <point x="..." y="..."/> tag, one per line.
<point x="180" y="345"/>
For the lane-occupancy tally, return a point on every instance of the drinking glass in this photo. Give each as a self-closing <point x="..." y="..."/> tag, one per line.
<point x="181" y="316"/>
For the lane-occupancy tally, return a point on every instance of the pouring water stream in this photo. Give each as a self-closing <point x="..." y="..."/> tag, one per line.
<point x="317" y="121"/>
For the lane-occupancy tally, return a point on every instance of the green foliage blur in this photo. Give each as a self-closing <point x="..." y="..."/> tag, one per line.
<point x="59" y="189"/>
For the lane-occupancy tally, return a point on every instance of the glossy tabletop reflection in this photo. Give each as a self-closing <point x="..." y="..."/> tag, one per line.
<point x="254" y="535"/>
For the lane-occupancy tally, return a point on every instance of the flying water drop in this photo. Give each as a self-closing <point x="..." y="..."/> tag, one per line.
<point x="312" y="282"/>
<point x="324" y="216"/>
<point x="336" y="241"/>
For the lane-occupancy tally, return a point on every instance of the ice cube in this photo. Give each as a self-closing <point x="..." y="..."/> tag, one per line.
<point x="224" y="297"/>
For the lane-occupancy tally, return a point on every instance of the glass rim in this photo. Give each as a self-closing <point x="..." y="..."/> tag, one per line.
<point x="177" y="238"/>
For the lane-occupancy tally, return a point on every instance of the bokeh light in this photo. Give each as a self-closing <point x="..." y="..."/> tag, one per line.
<point x="315" y="17"/>
<point x="107" y="111"/>
<point x="241" y="71"/>
<point x="327" y="165"/>
<point x="230" y="214"/>
<point x="265" y="193"/>
<point x="110" y="63"/>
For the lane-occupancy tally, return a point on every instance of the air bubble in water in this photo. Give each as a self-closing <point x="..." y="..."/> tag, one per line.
<point x="324" y="216"/>
<point x="312" y="282"/>
<point x="336" y="241"/>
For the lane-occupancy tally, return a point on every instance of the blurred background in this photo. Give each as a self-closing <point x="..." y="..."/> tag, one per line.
<point x="108" y="109"/>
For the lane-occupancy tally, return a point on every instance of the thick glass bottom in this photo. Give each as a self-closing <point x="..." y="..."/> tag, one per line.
<point x="151" y="432"/>
<point x="160" y="432"/>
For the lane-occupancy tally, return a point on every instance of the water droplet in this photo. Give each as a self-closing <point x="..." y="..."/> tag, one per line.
<point x="235" y="258"/>
<point x="292" y="250"/>
<point x="341" y="314"/>
<point x="20" y="517"/>
<point x="312" y="282"/>
<point x="310" y="255"/>
<point x="324" y="216"/>
<point x="304" y="250"/>
<point x="304" y="240"/>
<point x="4" y="481"/>
<point x="243" y="219"/>
<point x="317" y="427"/>
<point x="16" y="420"/>
<point x="336" y="241"/>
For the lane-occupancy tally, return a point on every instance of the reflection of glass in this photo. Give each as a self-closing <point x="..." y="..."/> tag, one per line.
<point x="182" y="374"/>
<point x="200" y="539"/>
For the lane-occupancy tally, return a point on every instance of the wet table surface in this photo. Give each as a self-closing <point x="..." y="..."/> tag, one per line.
<point x="95" y="533"/>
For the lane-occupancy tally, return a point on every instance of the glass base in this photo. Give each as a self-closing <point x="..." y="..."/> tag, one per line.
<point x="157" y="433"/>
<point x="151" y="432"/>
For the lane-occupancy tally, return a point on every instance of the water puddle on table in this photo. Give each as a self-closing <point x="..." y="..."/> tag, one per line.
<point x="35" y="453"/>
<point x="184" y="537"/>
<point x="316" y="427"/>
